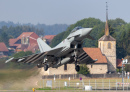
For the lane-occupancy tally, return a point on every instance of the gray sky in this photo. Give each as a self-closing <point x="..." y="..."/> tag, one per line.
<point x="61" y="11"/>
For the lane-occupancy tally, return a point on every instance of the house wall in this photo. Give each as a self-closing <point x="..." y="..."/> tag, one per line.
<point x="97" y="68"/>
<point x="60" y="70"/>
<point x="1" y="53"/>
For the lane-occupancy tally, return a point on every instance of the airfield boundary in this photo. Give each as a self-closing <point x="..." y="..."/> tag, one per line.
<point x="76" y="76"/>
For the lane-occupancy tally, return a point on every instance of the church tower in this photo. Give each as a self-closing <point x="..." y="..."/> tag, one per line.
<point x="107" y="44"/>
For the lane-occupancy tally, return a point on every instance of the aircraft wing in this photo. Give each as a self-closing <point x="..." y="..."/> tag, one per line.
<point x="84" y="58"/>
<point x="35" y="58"/>
<point x="27" y="59"/>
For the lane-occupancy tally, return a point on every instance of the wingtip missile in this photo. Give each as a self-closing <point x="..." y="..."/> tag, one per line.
<point x="9" y="60"/>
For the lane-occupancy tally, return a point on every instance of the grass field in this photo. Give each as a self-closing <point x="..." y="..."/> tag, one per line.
<point x="16" y="78"/>
<point x="26" y="79"/>
<point x="16" y="74"/>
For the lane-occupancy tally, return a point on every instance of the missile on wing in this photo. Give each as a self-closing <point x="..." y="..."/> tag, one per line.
<point x="61" y="62"/>
<point x="20" y="59"/>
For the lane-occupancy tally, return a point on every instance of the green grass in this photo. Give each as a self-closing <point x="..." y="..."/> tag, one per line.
<point x="61" y="88"/>
<point x="16" y="74"/>
<point x="15" y="79"/>
<point x="45" y="88"/>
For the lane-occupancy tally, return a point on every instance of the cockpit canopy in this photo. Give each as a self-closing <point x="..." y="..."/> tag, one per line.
<point x="76" y="28"/>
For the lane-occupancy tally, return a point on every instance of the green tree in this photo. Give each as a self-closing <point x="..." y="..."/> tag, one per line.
<point x="118" y="28"/>
<point x="4" y="38"/>
<point x="22" y="53"/>
<point x="83" y="69"/>
<point x="96" y="24"/>
<point x="21" y="65"/>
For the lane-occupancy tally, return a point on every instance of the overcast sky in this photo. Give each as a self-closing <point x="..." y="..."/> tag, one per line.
<point x="61" y="11"/>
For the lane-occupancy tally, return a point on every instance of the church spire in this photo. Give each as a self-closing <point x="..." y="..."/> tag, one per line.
<point x="106" y="26"/>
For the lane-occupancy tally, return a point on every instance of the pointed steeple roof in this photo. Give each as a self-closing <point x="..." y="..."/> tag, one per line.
<point x="106" y="26"/>
<point x="107" y="36"/>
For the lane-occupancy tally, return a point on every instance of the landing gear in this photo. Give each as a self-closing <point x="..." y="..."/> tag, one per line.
<point x="39" y="65"/>
<point x="77" y="68"/>
<point x="45" y="67"/>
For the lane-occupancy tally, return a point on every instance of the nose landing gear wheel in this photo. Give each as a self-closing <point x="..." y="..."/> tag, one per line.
<point x="45" y="67"/>
<point x="77" y="68"/>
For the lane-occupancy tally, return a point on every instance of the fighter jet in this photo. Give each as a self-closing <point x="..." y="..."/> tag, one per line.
<point x="67" y="52"/>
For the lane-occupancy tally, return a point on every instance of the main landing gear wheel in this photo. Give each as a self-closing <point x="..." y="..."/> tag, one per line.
<point x="39" y="65"/>
<point x="77" y="68"/>
<point x="45" y="67"/>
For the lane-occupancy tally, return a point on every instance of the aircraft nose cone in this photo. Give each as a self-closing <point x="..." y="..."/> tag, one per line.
<point x="86" y="31"/>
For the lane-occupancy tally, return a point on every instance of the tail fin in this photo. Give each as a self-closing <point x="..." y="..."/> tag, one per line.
<point x="42" y="45"/>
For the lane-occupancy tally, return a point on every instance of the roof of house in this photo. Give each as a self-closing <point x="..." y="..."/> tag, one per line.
<point x="12" y="41"/>
<point x="3" y="47"/>
<point x="3" y="56"/>
<point x="24" y="34"/>
<point x="95" y="53"/>
<point x="32" y="47"/>
<point x="119" y="63"/>
<point x="49" y="37"/>
<point x="19" y="46"/>
<point x="107" y="38"/>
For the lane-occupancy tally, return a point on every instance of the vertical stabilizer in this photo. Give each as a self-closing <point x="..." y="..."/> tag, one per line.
<point x="42" y="45"/>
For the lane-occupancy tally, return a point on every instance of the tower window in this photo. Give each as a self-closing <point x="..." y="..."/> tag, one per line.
<point x="109" y="45"/>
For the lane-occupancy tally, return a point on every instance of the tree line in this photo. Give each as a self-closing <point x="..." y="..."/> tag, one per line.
<point x="118" y="28"/>
<point x="7" y="33"/>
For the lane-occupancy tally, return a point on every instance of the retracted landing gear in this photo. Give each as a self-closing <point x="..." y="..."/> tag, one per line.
<point x="45" y="67"/>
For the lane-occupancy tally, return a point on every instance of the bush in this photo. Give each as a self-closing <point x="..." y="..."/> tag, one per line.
<point x="22" y="53"/>
<point x="84" y="70"/>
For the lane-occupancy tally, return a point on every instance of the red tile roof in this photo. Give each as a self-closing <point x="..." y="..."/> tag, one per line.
<point x="3" y="56"/>
<point x="119" y="63"/>
<point x="32" y="47"/>
<point x="49" y="37"/>
<point x="3" y="47"/>
<point x="95" y="53"/>
<point x="24" y="34"/>
<point x="12" y="41"/>
<point x="19" y="46"/>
